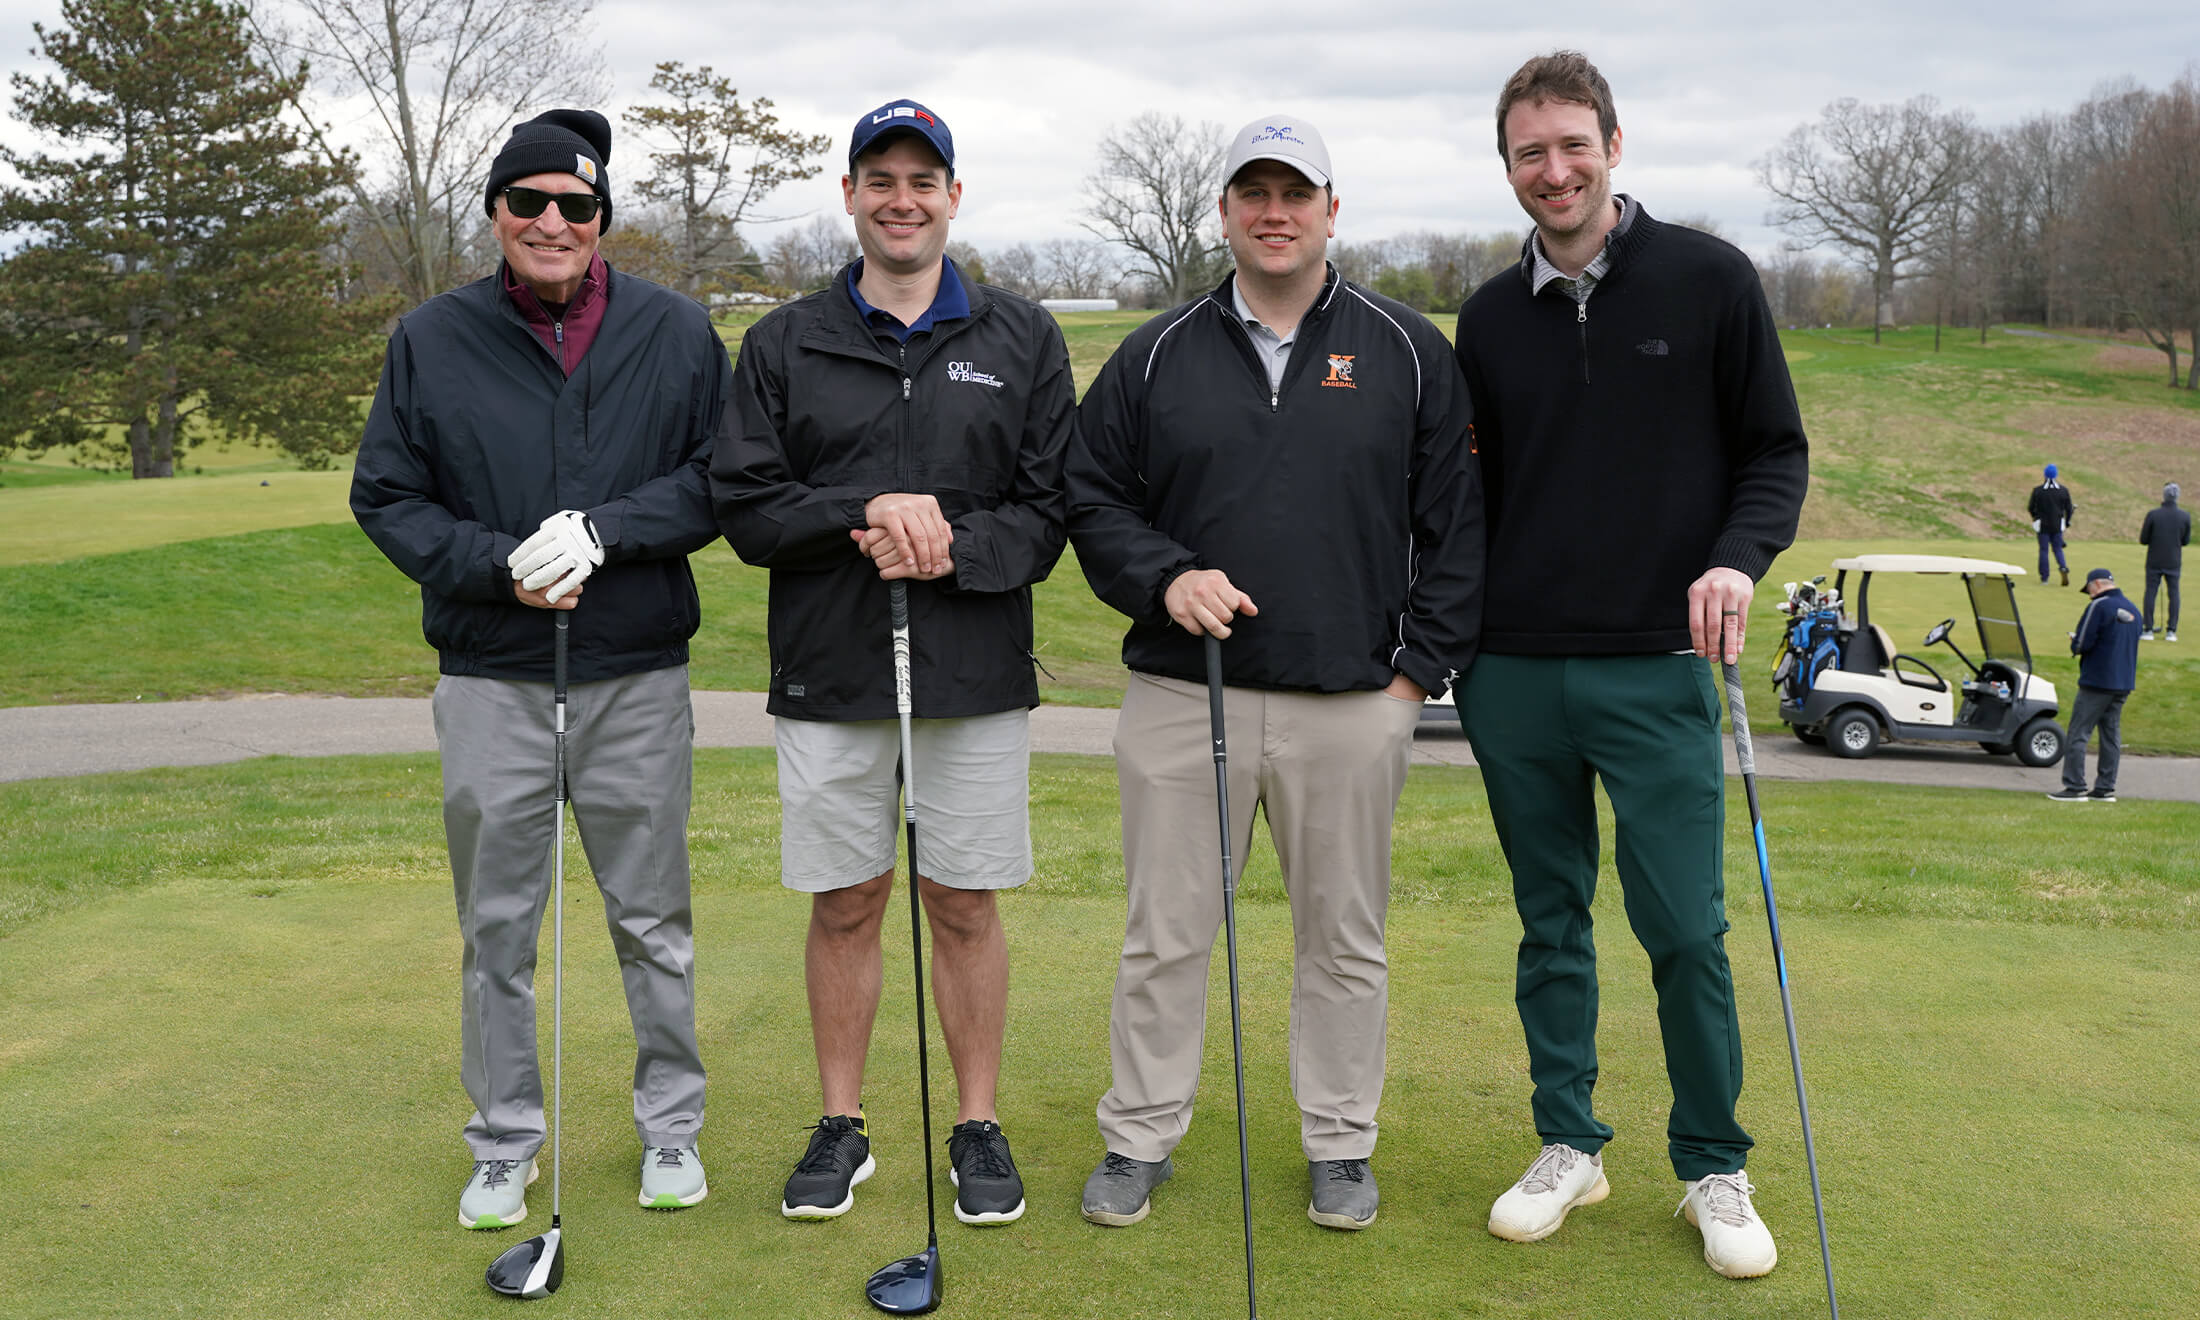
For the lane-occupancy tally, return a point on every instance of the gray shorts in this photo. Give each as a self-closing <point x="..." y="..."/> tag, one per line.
<point x="840" y="808"/>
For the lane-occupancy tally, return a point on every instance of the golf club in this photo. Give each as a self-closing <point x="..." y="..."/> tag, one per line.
<point x="1746" y="755"/>
<point x="1229" y="935"/>
<point x="534" y="1269"/>
<point x="911" y="1285"/>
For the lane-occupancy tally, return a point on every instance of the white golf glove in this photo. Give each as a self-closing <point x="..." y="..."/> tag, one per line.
<point x="563" y="550"/>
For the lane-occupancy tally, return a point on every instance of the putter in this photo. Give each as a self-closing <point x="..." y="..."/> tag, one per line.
<point x="534" y="1269"/>
<point x="1229" y="934"/>
<point x="911" y="1285"/>
<point x="1746" y="755"/>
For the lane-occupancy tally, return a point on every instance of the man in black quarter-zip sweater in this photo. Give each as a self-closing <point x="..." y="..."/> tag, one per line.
<point x="1284" y="463"/>
<point x="1626" y="378"/>
<point x="903" y="425"/>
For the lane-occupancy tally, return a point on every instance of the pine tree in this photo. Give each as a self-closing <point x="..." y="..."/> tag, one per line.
<point x="175" y="278"/>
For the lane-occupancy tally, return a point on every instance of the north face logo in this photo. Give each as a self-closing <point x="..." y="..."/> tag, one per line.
<point x="1652" y="348"/>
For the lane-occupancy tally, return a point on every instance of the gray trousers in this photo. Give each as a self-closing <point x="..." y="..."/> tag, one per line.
<point x="629" y="768"/>
<point x="2105" y="709"/>
<point x="1327" y="769"/>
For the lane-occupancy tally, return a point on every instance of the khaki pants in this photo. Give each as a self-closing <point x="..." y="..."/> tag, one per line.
<point x="1327" y="769"/>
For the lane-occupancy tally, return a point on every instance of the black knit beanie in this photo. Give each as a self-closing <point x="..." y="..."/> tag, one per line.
<point x="575" y="142"/>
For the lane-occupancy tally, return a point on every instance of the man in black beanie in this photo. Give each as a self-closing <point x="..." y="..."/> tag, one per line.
<point x="547" y="426"/>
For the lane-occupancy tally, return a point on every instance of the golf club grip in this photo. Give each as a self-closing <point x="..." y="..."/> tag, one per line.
<point x="897" y="594"/>
<point x="557" y="657"/>
<point x="1744" y="751"/>
<point x="1214" y="689"/>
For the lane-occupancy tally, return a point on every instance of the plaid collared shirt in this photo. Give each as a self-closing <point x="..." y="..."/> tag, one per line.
<point x="1579" y="288"/>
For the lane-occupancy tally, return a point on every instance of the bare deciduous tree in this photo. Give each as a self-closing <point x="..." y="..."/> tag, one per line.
<point x="806" y="259"/>
<point x="1874" y="179"/>
<point x="443" y="80"/>
<point x="1154" y="193"/>
<point x="2144" y="236"/>
<point x="1076" y="268"/>
<point x="715" y="159"/>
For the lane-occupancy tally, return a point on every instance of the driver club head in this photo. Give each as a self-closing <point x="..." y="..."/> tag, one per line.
<point x="909" y="1286"/>
<point x="533" y="1269"/>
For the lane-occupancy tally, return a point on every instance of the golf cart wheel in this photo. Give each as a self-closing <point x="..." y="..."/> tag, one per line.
<point x="2040" y="743"/>
<point x="1998" y="748"/>
<point x="1810" y="737"/>
<point x="1853" y="734"/>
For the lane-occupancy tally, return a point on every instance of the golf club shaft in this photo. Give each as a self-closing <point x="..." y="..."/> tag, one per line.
<point x="898" y="593"/>
<point x="557" y="925"/>
<point x="1229" y="936"/>
<point x="1745" y="754"/>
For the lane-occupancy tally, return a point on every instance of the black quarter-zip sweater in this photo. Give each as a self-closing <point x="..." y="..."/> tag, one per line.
<point x="1344" y="502"/>
<point x="1628" y="445"/>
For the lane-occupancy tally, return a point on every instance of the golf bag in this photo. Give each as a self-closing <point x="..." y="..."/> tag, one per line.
<point x="1813" y="640"/>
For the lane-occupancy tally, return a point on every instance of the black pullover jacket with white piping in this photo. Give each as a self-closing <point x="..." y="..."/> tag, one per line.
<point x="1628" y="444"/>
<point x="976" y="413"/>
<point x="1345" y="502"/>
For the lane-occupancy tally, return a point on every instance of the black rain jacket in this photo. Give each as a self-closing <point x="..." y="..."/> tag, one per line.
<point x="476" y="435"/>
<point x="977" y="414"/>
<point x="1347" y="502"/>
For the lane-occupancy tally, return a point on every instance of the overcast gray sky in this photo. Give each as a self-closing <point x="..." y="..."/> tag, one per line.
<point x="1402" y="91"/>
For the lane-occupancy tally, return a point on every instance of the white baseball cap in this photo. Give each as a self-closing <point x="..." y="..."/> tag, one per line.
<point x="1280" y="137"/>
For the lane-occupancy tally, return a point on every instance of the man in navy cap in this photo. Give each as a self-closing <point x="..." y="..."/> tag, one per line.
<point x="545" y="427"/>
<point x="2107" y="646"/>
<point x="903" y="425"/>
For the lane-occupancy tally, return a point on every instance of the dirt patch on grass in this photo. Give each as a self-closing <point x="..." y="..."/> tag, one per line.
<point x="2132" y="358"/>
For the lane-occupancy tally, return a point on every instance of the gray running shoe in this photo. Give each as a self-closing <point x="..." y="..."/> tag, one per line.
<point x="1344" y="1193"/>
<point x="672" y="1177"/>
<point x="1120" y="1191"/>
<point x="496" y="1196"/>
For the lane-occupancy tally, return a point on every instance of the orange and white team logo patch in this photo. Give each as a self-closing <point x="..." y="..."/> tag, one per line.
<point x="1340" y="372"/>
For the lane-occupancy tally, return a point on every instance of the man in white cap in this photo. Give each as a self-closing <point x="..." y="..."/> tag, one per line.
<point x="1294" y="440"/>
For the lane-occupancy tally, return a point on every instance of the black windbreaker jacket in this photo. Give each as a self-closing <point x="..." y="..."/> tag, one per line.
<point x="1347" y="503"/>
<point x="476" y="436"/>
<point x="977" y="414"/>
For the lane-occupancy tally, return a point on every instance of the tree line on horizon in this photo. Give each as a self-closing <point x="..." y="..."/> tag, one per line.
<point x="202" y="255"/>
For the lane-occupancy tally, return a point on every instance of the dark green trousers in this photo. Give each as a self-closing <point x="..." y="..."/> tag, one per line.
<point x="1544" y="728"/>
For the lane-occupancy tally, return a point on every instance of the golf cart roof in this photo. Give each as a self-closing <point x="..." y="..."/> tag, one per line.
<point x="1923" y="564"/>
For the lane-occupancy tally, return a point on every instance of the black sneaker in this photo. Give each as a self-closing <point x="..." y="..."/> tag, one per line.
<point x="824" y="1181"/>
<point x="987" y="1187"/>
<point x="2102" y="795"/>
<point x="2069" y="795"/>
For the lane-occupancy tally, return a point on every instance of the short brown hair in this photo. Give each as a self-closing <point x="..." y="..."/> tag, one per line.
<point x="1562" y="75"/>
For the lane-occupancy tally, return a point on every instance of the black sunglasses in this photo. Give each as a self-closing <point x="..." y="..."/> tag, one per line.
<point x="527" y="203"/>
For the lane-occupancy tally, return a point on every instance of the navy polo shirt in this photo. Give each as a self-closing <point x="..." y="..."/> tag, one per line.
<point x="950" y="303"/>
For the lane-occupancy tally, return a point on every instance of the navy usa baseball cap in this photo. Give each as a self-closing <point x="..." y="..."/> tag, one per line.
<point x="902" y="117"/>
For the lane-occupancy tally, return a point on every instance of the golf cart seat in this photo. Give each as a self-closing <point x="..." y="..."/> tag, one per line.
<point x="1869" y="650"/>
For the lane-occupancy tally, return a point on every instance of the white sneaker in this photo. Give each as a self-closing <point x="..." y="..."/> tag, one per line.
<point x="2173" y="636"/>
<point x="2147" y="635"/>
<point x="1560" y="1179"/>
<point x="496" y="1196"/>
<point x="672" y="1177"/>
<point x="1736" y="1242"/>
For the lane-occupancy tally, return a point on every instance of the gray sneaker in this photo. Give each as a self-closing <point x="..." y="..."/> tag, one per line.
<point x="1120" y="1191"/>
<point x="1344" y="1193"/>
<point x="496" y="1196"/>
<point x="672" y="1178"/>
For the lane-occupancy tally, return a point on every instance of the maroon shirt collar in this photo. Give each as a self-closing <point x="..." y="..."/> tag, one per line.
<point x="583" y="316"/>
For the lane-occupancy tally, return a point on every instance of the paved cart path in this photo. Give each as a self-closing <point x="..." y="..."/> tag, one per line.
<point x="38" y="742"/>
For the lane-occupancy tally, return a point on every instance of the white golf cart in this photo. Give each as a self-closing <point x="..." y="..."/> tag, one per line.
<point x="1845" y="687"/>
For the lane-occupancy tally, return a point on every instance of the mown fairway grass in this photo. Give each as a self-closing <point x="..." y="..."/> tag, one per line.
<point x="232" y="1074"/>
